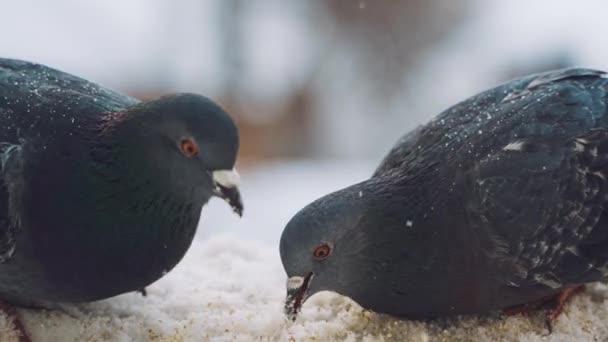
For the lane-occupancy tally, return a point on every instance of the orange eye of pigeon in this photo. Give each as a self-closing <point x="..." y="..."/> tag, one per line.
<point x="322" y="251"/>
<point x="188" y="147"/>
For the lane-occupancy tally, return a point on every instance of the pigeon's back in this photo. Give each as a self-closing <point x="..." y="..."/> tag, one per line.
<point x="38" y="101"/>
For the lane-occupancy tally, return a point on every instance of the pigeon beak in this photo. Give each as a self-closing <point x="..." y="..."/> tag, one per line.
<point x="297" y="293"/>
<point x="225" y="186"/>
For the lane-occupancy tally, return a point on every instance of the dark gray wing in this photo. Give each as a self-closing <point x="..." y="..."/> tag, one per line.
<point x="547" y="200"/>
<point x="11" y="197"/>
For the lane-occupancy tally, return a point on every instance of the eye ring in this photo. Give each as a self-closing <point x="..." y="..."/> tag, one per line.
<point x="188" y="147"/>
<point x="322" y="251"/>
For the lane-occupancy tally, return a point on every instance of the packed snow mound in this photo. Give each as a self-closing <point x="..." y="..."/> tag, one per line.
<point x="232" y="289"/>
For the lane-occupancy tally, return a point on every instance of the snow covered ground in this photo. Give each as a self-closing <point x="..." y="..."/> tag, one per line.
<point x="230" y="286"/>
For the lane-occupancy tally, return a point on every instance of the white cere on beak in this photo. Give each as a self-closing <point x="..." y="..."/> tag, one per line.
<point x="294" y="283"/>
<point x="227" y="178"/>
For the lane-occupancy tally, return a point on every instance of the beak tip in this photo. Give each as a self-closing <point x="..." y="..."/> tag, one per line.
<point x="238" y="210"/>
<point x="297" y="293"/>
<point x="232" y="196"/>
<point x="236" y="202"/>
<point x="291" y="317"/>
<point x="291" y="312"/>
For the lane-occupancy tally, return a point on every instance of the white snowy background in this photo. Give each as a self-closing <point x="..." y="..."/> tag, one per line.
<point x="230" y="286"/>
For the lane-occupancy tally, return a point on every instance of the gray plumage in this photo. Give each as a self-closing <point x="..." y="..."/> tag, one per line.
<point x="100" y="193"/>
<point x="498" y="201"/>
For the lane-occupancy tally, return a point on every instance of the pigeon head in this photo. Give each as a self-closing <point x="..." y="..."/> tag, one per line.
<point x="318" y="244"/>
<point x="353" y="242"/>
<point x="184" y="140"/>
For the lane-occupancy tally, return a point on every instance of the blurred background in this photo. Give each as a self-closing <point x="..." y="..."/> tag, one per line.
<point x="320" y="89"/>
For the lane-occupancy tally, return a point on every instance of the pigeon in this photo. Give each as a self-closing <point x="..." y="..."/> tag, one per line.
<point x="497" y="203"/>
<point x="101" y="194"/>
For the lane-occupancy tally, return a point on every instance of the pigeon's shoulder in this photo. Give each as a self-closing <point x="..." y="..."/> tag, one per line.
<point x="553" y="104"/>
